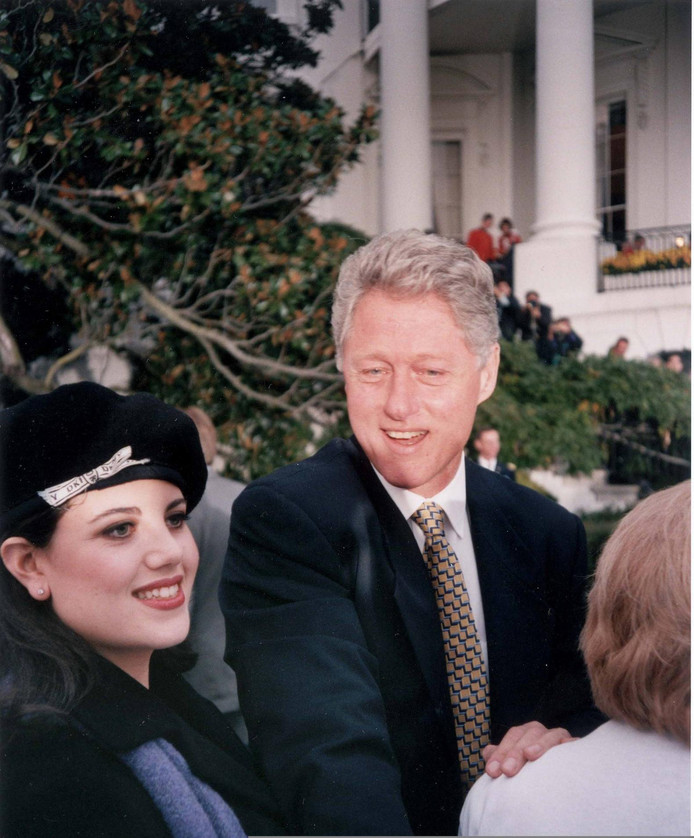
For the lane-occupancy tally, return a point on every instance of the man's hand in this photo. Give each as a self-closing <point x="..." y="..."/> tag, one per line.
<point x="522" y="744"/>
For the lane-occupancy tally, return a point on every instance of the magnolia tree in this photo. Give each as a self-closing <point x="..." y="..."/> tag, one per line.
<point x="157" y="163"/>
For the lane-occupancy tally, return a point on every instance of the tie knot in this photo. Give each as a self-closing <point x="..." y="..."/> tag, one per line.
<point x="429" y="517"/>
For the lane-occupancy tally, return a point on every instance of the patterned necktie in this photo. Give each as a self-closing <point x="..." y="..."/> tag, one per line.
<point x="467" y="677"/>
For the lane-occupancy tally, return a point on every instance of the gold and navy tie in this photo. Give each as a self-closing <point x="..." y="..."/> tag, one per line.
<point x="467" y="677"/>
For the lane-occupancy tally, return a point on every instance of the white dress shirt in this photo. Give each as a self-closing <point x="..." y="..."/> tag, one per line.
<point x="487" y="463"/>
<point x="453" y="501"/>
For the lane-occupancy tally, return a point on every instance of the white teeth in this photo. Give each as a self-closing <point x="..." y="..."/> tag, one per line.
<point x="404" y="434"/>
<point x="159" y="593"/>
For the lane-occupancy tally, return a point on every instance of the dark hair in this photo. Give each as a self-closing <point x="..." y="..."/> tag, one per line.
<point x="484" y="430"/>
<point x="44" y="665"/>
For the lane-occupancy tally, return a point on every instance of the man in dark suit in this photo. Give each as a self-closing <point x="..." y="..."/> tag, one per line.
<point x="534" y="318"/>
<point x="488" y="444"/>
<point x="352" y="681"/>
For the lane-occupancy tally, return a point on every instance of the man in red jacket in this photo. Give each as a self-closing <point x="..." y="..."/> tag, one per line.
<point x="481" y="241"/>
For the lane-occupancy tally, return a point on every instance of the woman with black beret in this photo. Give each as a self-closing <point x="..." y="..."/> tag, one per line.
<point x="101" y="736"/>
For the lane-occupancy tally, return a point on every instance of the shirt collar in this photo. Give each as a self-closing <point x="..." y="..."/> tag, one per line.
<point x="451" y="499"/>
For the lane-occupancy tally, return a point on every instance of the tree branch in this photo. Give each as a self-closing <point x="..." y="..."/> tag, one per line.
<point x="201" y="333"/>
<point x="48" y="224"/>
<point x="64" y="360"/>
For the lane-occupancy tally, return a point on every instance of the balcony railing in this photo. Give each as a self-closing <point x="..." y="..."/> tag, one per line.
<point x="654" y="257"/>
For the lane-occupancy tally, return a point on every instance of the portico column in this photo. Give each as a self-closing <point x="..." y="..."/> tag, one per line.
<point x="560" y="258"/>
<point x="405" y="121"/>
<point x="565" y="151"/>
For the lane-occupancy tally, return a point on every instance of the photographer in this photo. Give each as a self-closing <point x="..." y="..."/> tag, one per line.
<point x="535" y="318"/>
<point x="560" y="341"/>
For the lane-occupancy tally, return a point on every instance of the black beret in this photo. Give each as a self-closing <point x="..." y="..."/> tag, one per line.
<point x="83" y="436"/>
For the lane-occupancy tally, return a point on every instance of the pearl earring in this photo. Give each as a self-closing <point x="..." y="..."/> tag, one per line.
<point x="40" y="592"/>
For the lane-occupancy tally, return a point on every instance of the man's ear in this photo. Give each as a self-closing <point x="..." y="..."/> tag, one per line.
<point x="20" y="557"/>
<point x="488" y="374"/>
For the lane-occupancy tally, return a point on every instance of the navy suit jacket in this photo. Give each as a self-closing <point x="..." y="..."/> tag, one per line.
<point x="334" y="633"/>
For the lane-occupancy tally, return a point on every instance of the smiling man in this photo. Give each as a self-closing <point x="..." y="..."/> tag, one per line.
<point x="397" y="615"/>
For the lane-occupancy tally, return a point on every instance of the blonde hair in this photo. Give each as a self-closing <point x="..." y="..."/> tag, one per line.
<point x="409" y="263"/>
<point x="206" y="430"/>
<point x="636" y="640"/>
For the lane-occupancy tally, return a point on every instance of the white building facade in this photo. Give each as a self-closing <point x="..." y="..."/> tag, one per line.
<point x="571" y="117"/>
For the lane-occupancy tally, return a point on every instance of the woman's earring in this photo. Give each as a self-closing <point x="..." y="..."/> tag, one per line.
<point x="40" y="592"/>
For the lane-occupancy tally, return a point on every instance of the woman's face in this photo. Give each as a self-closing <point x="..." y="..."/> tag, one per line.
<point x="120" y="570"/>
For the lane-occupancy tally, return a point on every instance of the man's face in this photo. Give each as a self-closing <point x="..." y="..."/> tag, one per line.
<point x="488" y="444"/>
<point x="412" y="387"/>
<point x="674" y="363"/>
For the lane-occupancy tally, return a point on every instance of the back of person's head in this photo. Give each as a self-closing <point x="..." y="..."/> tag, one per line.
<point x="409" y="263"/>
<point x="636" y="640"/>
<point x="207" y="431"/>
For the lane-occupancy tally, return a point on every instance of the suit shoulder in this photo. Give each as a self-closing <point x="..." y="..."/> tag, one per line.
<point x="513" y="496"/>
<point x="334" y="464"/>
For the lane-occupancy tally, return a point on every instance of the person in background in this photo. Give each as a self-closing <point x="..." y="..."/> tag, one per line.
<point x="392" y="607"/>
<point x="619" y="348"/>
<point x="487" y="444"/>
<point x="534" y="318"/>
<point x="209" y="523"/>
<point x="481" y="241"/>
<point x="639" y="243"/>
<point x="507" y="309"/>
<point x="508" y="239"/>
<point x="674" y="362"/>
<point x="100" y="734"/>
<point x="560" y="342"/>
<point x="631" y="776"/>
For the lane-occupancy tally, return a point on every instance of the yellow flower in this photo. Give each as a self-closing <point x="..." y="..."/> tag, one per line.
<point x="641" y="260"/>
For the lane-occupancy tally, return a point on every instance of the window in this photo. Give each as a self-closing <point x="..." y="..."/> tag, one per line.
<point x="448" y="191"/>
<point x="611" y="169"/>
<point x="373" y="14"/>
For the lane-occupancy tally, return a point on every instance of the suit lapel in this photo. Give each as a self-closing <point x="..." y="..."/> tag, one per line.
<point x="413" y="592"/>
<point x="515" y="610"/>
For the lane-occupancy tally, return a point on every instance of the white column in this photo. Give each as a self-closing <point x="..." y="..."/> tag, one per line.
<point x="565" y="151"/>
<point x="560" y="258"/>
<point x="405" y="120"/>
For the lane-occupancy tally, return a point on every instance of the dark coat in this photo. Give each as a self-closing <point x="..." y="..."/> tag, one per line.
<point x="509" y="317"/>
<point x="62" y="777"/>
<point x="333" y="629"/>
<point x="534" y="328"/>
<point x="504" y="470"/>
